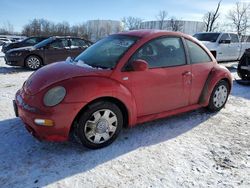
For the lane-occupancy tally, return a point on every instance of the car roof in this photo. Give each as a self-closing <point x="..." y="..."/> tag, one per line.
<point x="69" y="37"/>
<point x="151" y="32"/>
<point x="216" y="33"/>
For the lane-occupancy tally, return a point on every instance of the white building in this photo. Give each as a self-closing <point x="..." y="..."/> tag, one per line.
<point x="188" y="27"/>
<point x="98" y="29"/>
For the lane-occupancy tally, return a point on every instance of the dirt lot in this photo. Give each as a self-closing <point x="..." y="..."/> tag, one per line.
<point x="196" y="149"/>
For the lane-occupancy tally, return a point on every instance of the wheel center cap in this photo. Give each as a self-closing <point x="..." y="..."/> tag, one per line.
<point x="102" y="126"/>
<point x="219" y="96"/>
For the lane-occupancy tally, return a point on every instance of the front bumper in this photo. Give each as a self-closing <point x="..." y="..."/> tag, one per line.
<point x="14" y="60"/>
<point x="62" y="115"/>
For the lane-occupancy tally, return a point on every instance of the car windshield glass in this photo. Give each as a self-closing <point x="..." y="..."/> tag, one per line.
<point x="211" y="37"/>
<point x="43" y="43"/>
<point x="106" y="52"/>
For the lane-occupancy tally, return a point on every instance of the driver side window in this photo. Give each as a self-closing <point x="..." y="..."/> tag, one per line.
<point x="162" y="52"/>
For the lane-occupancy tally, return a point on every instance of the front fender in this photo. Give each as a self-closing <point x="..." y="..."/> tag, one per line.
<point x="87" y="89"/>
<point x="216" y="74"/>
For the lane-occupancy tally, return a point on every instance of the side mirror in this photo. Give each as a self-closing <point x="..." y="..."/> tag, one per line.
<point x="226" y="41"/>
<point x="139" y="65"/>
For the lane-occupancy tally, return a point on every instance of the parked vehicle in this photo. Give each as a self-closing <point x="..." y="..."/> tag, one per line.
<point x="122" y="80"/>
<point x="50" y="50"/>
<point x="30" y="41"/>
<point x="4" y="41"/>
<point x="224" y="46"/>
<point x="243" y="69"/>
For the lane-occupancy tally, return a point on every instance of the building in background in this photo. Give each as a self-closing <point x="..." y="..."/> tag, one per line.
<point x="188" y="27"/>
<point x="97" y="29"/>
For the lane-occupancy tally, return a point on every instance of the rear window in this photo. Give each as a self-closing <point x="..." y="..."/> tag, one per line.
<point x="211" y="37"/>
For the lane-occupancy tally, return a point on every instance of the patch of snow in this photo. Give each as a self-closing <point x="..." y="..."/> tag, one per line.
<point x="1" y="53"/>
<point x="195" y="149"/>
<point x="79" y="63"/>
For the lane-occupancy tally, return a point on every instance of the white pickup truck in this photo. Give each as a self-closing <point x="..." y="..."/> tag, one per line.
<point x="224" y="46"/>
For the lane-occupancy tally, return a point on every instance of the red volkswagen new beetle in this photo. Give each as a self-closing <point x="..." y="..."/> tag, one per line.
<point x="122" y="80"/>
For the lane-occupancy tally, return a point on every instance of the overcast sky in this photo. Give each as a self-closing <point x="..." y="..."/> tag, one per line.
<point x="20" y="12"/>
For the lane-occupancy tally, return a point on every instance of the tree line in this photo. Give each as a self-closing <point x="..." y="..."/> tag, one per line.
<point x="238" y="17"/>
<point x="238" y="20"/>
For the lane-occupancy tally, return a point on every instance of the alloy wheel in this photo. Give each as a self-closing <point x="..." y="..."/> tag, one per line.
<point x="101" y="126"/>
<point x="33" y="62"/>
<point x="220" y="96"/>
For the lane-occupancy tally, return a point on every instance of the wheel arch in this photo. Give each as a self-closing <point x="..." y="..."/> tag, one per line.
<point x="215" y="76"/>
<point x="114" y="100"/>
<point x="33" y="55"/>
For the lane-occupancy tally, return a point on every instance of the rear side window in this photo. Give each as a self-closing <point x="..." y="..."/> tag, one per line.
<point x="162" y="52"/>
<point x="234" y="38"/>
<point x="197" y="54"/>
<point x="78" y="43"/>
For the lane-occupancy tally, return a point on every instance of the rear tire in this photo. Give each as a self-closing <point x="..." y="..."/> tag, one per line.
<point x="99" y="125"/>
<point x="33" y="62"/>
<point x="219" y="96"/>
<point x="243" y="74"/>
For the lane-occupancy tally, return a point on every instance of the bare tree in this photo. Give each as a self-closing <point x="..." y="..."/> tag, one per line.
<point x="210" y="18"/>
<point x="7" y="28"/>
<point x="161" y="17"/>
<point x="132" y="23"/>
<point x="108" y="28"/>
<point x="240" y="17"/>
<point x="175" y="25"/>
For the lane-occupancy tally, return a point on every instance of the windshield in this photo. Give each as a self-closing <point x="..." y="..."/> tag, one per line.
<point x="106" y="52"/>
<point x="211" y="37"/>
<point x="43" y="43"/>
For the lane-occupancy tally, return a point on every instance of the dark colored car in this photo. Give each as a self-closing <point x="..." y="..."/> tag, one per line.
<point x="52" y="49"/>
<point x="30" y="41"/>
<point x="244" y="66"/>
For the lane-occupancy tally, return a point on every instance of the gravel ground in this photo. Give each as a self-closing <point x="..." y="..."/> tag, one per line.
<point x="196" y="149"/>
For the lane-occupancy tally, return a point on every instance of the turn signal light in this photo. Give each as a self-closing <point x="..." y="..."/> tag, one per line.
<point x="44" y="122"/>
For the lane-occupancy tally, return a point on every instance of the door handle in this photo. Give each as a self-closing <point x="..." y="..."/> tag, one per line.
<point x="187" y="73"/>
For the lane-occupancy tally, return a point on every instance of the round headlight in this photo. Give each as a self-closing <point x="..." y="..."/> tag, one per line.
<point x="54" y="96"/>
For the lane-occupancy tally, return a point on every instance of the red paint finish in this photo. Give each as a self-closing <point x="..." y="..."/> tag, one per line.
<point x="147" y="94"/>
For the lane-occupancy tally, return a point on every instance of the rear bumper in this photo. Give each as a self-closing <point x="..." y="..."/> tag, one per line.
<point x="62" y="117"/>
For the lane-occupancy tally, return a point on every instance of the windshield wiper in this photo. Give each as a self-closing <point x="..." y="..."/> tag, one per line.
<point x="100" y="66"/>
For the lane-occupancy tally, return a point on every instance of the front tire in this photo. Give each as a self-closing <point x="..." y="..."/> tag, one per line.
<point x="33" y="62"/>
<point x="100" y="125"/>
<point x="219" y="96"/>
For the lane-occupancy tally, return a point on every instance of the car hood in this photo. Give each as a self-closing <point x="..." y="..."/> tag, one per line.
<point x="57" y="72"/>
<point x="26" y="48"/>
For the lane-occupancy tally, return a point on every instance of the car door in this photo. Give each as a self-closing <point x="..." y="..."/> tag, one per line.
<point x="77" y="46"/>
<point x="224" y="50"/>
<point x="201" y="65"/>
<point x="56" y="51"/>
<point x="235" y="46"/>
<point x="166" y="84"/>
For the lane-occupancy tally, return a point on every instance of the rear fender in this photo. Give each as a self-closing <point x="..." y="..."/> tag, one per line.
<point x="216" y="74"/>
